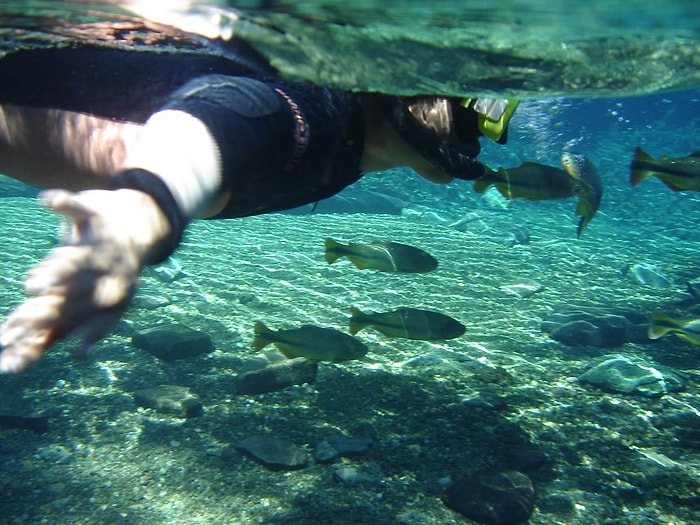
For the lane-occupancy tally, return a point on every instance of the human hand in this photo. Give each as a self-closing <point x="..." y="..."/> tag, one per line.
<point x="86" y="283"/>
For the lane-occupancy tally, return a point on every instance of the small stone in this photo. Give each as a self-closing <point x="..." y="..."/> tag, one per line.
<point x="276" y="376"/>
<point x="648" y="275"/>
<point x="369" y="473"/>
<point x="423" y="360"/>
<point x="523" y="289"/>
<point x="558" y="504"/>
<point x="633" y="376"/>
<point x="325" y="452"/>
<point x="150" y="302"/>
<point x="461" y="224"/>
<point x="173" y="341"/>
<point x="348" y="446"/>
<point x="274" y="453"/>
<point x="521" y="235"/>
<point x="501" y="498"/>
<point x="340" y="445"/>
<point x="169" y="399"/>
<point x="494" y="200"/>
<point x="169" y="271"/>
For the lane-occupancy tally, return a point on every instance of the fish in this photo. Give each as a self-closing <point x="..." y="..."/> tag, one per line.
<point x="409" y="323"/>
<point x="534" y="182"/>
<point x="686" y="329"/>
<point x="589" y="187"/>
<point x="530" y="181"/>
<point x="384" y="256"/>
<point x="312" y="342"/>
<point x="678" y="173"/>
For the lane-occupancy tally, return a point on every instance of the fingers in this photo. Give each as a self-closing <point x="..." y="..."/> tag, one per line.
<point x="27" y="332"/>
<point x="40" y="321"/>
<point x="17" y="357"/>
<point x="72" y="206"/>
<point x="59" y="267"/>
<point x="87" y="283"/>
<point x="66" y="202"/>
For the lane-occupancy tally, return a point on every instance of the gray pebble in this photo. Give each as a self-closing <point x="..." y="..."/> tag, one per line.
<point x="169" y="399"/>
<point x="173" y="341"/>
<point x="274" y="453"/>
<point x="369" y="473"/>
<point x="276" y="376"/>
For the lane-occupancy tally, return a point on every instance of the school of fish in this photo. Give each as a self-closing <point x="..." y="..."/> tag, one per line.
<point x="578" y="177"/>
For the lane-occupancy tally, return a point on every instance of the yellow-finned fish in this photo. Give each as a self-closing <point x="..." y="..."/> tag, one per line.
<point x="589" y="188"/>
<point x="686" y="329"/>
<point x="533" y="181"/>
<point x="530" y="181"/>
<point x="382" y="256"/>
<point x="311" y="342"/>
<point x="679" y="173"/>
<point x="409" y="323"/>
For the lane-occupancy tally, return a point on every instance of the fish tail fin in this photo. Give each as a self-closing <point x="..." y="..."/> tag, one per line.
<point x="641" y="166"/>
<point x="661" y="324"/>
<point x="261" y="332"/>
<point x="332" y="254"/>
<point x="355" y="323"/>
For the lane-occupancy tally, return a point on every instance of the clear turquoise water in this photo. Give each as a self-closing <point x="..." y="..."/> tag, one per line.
<point x="106" y="461"/>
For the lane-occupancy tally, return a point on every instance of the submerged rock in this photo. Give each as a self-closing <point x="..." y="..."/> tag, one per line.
<point x="369" y="473"/>
<point x="169" y="399"/>
<point x="167" y="272"/>
<point x="173" y="341"/>
<point x="149" y="302"/>
<point x="340" y="445"/>
<point x="600" y="327"/>
<point x="274" y="453"/>
<point x="630" y="375"/>
<point x="501" y="498"/>
<point x="276" y="376"/>
<point x="604" y="332"/>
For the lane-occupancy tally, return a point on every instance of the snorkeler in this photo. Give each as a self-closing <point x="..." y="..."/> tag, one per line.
<point x="142" y="143"/>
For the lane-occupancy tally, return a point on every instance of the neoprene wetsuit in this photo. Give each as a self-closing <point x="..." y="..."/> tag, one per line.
<point x="282" y="144"/>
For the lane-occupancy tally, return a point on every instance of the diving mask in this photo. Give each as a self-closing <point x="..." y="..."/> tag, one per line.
<point x="429" y="125"/>
<point x="493" y="115"/>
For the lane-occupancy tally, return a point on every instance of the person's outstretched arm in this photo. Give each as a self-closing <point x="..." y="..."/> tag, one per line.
<point x="221" y="146"/>
<point x="85" y="284"/>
